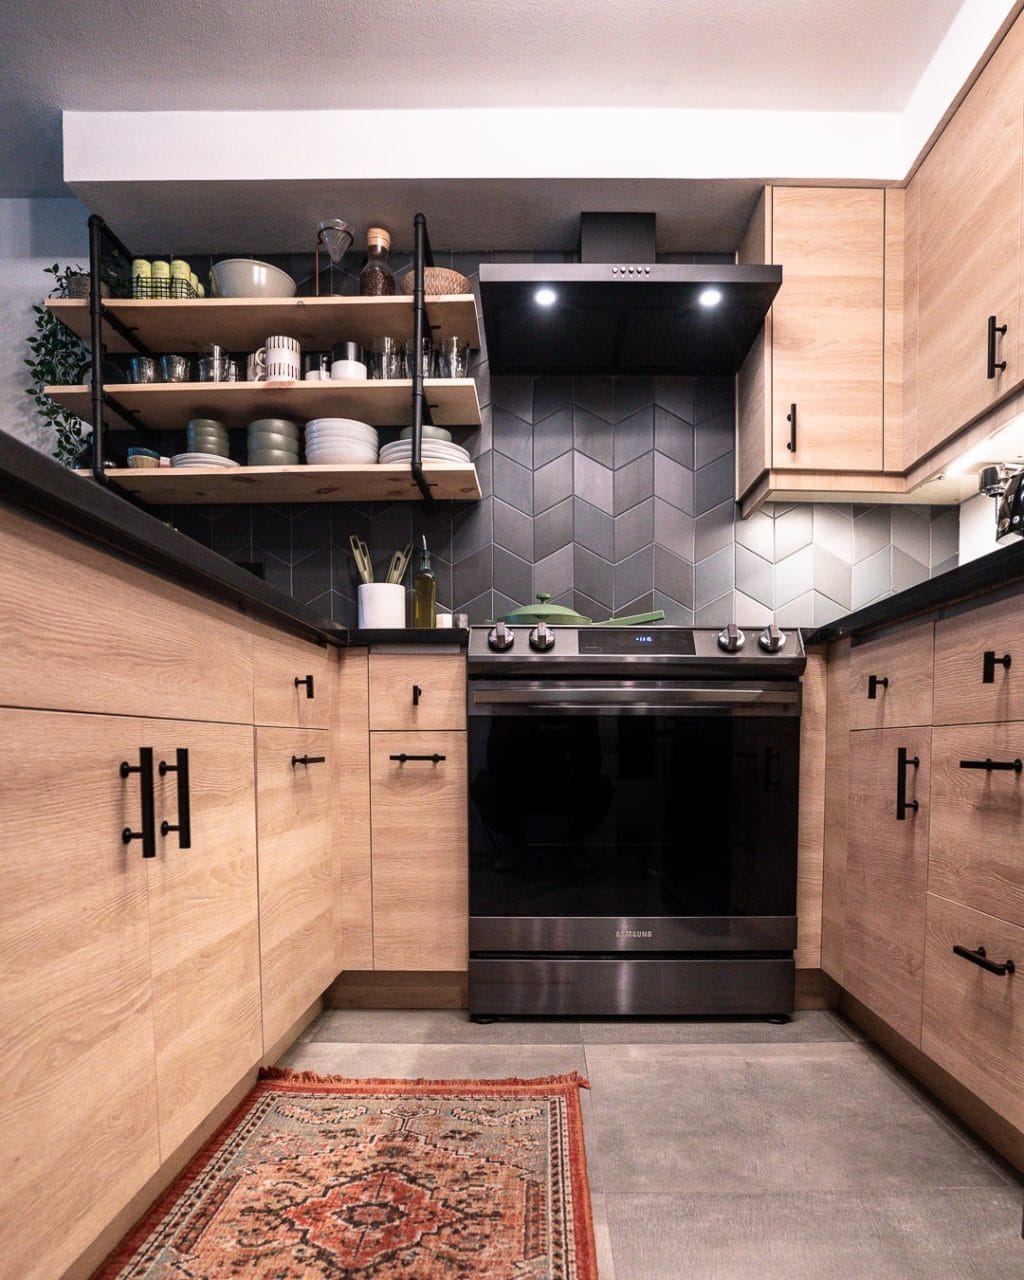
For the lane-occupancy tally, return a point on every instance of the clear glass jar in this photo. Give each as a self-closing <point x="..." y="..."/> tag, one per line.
<point x="375" y="279"/>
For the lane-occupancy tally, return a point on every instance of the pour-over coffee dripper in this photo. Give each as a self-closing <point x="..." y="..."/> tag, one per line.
<point x="336" y="237"/>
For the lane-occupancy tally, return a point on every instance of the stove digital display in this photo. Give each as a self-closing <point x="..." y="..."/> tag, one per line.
<point x="670" y="640"/>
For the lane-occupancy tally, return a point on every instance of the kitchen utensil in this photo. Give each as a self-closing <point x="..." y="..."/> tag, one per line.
<point x="560" y="616"/>
<point x="249" y="278"/>
<point x="387" y="358"/>
<point x="361" y="555"/>
<point x="381" y="606"/>
<point x="633" y="619"/>
<point x="142" y="369"/>
<point x="398" y="565"/>
<point x="174" y="368"/>
<point x="336" y="237"/>
<point x="427" y="357"/>
<point x="453" y="358"/>
<point x="436" y="280"/>
<point x="429" y="433"/>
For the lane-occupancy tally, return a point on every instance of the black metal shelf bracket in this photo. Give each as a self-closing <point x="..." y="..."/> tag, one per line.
<point x="423" y="257"/>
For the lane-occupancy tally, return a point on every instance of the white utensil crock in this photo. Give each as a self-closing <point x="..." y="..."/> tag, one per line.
<point x="381" y="606"/>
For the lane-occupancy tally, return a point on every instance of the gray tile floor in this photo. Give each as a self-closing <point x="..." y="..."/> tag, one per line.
<point x="732" y="1150"/>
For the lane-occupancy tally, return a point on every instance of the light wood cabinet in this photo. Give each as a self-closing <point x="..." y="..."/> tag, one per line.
<point x="78" y="1086"/>
<point x="297" y="873"/>
<point x="968" y="192"/>
<point x="979" y="664"/>
<point x="978" y="818"/>
<point x="293" y="681"/>
<point x="418" y="691"/>
<point x="420" y="893"/>
<point x="887" y="874"/>
<point x="351" y="739"/>
<point x="891" y="680"/>
<point x="974" y="1020"/>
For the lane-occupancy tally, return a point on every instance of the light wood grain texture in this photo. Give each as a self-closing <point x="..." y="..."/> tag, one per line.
<point x="203" y="912"/>
<point x="296" y="869"/>
<point x="441" y="679"/>
<point x="78" y="1093"/>
<point x="837" y="758"/>
<point x="420" y="900"/>
<point x="903" y="458"/>
<point x="242" y="324"/>
<point x="811" y="814"/>
<point x="827" y="327"/>
<point x="278" y="660"/>
<point x="886" y="878"/>
<point x="977" y="1115"/>
<point x="969" y="245"/>
<point x="167" y="406"/>
<point x="815" y="990"/>
<point x="86" y="631"/>
<point x="399" y="991"/>
<point x="961" y="696"/>
<point x="351" y="739"/>
<point x="346" y="482"/>
<point x="905" y="660"/>
<point x="978" y="820"/>
<point x="974" y="1021"/>
<point x="893" y="372"/>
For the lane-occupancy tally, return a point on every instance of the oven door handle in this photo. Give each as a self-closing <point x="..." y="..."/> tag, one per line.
<point x="633" y="697"/>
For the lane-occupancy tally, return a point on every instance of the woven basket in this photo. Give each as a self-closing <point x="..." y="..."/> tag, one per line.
<point x="436" y="280"/>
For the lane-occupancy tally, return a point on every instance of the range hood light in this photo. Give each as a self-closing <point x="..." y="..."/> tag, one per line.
<point x="709" y="297"/>
<point x="545" y="297"/>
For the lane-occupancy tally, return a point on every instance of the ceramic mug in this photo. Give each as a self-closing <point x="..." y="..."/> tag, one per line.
<point x="280" y="357"/>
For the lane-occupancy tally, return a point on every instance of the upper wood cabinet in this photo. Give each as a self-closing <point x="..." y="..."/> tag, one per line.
<point x="822" y="357"/>
<point x="968" y="194"/>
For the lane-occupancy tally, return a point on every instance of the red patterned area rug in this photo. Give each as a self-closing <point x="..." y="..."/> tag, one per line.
<point x="320" y="1178"/>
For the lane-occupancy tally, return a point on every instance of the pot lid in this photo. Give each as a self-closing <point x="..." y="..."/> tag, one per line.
<point x="556" y="614"/>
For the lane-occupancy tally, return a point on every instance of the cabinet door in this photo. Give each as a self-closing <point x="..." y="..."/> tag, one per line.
<point x="891" y="680"/>
<point x="968" y="250"/>
<point x="417" y="691"/>
<point x="887" y="876"/>
<point x="297" y="874"/>
<point x="827" y="327"/>
<point x="78" y="1096"/>
<point x="970" y="687"/>
<point x="203" y="920"/>
<point x="419" y="824"/>
<point x="292" y="680"/>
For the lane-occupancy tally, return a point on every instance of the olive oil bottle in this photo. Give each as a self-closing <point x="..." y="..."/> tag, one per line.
<point x="424" y="591"/>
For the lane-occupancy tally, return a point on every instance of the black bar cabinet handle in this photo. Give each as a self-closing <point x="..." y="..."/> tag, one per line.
<point x="791" y="419"/>
<point x="307" y="681"/>
<point x="993" y="364"/>
<point x="417" y="693"/>
<point x="308" y="760"/>
<point x="994" y="766"/>
<point x="434" y="759"/>
<point x="989" y="664"/>
<point x="903" y="762"/>
<point x="184" y="823"/>
<point x="145" y="771"/>
<point x="875" y="683"/>
<point x="979" y="958"/>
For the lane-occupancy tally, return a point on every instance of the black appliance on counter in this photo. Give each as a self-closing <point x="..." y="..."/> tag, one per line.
<point x="633" y="820"/>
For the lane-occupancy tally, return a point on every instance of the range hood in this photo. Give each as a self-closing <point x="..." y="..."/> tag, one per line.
<point x="618" y="311"/>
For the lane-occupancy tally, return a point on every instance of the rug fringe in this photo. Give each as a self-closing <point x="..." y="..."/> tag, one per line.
<point x="314" y="1077"/>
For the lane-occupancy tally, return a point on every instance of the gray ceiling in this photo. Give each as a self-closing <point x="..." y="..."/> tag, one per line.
<point x="850" y="55"/>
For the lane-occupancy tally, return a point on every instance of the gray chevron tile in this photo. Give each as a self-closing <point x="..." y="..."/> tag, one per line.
<point x="945" y="536"/>
<point x="633" y="436"/>
<point x="832" y="528"/>
<point x="554" y="574"/>
<point x="907" y="571"/>
<point x="550" y="395"/>
<point x="872" y="531"/>
<point x="794" y="576"/>
<point x="631" y="395"/>
<point x="514" y="394"/>
<point x="512" y="436"/>
<point x="673" y="436"/>
<point x="714" y="530"/>
<point x="590" y="608"/>
<point x="513" y="483"/>
<point x="716" y="613"/>
<point x="553" y="483"/>
<point x="634" y="483"/>
<point x="593" y="576"/>
<point x="596" y="395"/>
<point x="713" y="576"/>
<point x="552" y="437"/>
<point x="793" y="529"/>
<point x="677" y="395"/>
<point x="513" y="530"/>
<point x="833" y="577"/>
<point x="714" y="483"/>
<point x="593" y="529"/>
<point x="593" y="482"/>
<point x="755" y="577"/>
<point x="553" y="529"/>
<point x="472" y="576"/>
<point x="872" y="577"/>
<point x="798" y="612"/>
<point x="593" y="436"/>
<point x="676" y="614"/>
<point x="634" y="529"/>
<point x="673" y="482"/>
<point x="634" y="577"/>
<point x="757" y="534"/>
<point x="480" y="608"/>
<point x="639" y="604"/>
<point x="714" y="426"/>
<point x="513" y="577"/>
<point x="472" y="529"/>
<point x="911" y="534"/>
<point x="673" y="577"/>
<point x="825" y="610"/>
<point x="673" y="529"/>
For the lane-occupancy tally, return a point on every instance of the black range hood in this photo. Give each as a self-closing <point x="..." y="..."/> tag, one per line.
<point x="623" y="313"/>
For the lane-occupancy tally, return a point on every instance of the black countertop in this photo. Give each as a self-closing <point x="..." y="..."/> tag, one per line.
<point x="36" y="482"/>
<point x="1001" y="568"/>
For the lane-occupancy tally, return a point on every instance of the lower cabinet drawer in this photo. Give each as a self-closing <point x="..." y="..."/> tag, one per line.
<point x="974" y="1019"/>
<point x="977" y="818"/>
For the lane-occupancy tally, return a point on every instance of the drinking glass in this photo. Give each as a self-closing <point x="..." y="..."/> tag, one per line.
<point x="426" y="353"/>
<point x="142" y="369"/>
<point x="174" y="368"/>
<point x="453" y="358"/>
<point x="387" y="359"/>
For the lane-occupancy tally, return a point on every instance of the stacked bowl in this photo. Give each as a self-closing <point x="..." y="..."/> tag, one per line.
<point x="337" y="440"/>
<point x="273" y="442"/>
<point x="207" y="435"/>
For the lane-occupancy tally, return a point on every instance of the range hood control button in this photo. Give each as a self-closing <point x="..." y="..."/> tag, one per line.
<point x="771" y="639"/>
<point x="731" y="638"/>
<point x="501" y="638"/>
<point x="542" y="638"/>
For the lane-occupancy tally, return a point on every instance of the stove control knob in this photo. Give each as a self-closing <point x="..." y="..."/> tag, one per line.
<point x="501" y="638"/>
<point x="731" y="638"/>
<point x="541" y="638"/>
<point x="771" y="639"/>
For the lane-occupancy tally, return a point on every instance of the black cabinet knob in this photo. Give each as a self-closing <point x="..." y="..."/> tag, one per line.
<point x="307" y="681"/>
<point x="989" y="663"/>
<point x="875" y="683"/>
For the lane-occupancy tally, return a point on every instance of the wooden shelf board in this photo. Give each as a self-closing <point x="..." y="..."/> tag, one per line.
<point x="167" y="406"/>
<point x="243" y="324"/>
<point x="347" y="483"/>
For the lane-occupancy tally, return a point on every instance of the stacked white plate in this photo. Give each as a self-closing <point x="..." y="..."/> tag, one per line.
<point x="194" y="460"/>
<point x="337" y="440"/>
<point x="432" y="451"/>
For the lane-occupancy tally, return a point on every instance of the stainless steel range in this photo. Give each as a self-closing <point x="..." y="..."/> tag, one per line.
<point x="633" y="820"/>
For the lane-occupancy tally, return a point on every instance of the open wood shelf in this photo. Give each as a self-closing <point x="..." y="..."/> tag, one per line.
<point x="348" y="483"/>
<point x="167" y="406"/>
<point x="243" y="324"/>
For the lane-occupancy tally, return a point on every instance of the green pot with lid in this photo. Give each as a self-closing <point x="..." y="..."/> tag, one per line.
<point x="555" y="615"/>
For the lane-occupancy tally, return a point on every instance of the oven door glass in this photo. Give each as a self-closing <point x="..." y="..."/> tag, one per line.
<point x="666" y="813"/>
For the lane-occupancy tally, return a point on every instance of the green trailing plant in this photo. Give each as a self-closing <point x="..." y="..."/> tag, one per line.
<point x="59" y="359"/>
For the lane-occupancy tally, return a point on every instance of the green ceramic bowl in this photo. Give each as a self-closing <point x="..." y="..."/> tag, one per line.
<point x="272" y="458"/>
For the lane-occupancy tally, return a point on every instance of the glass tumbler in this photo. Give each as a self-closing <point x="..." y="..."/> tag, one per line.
<point x="387" y="359"/>
<point x="453" y="358"/>
<point x="174" y="368"/>
<point x="142" y="369"/>
<point x="427" y="357"/>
